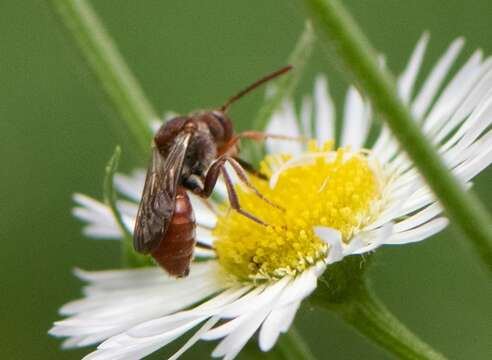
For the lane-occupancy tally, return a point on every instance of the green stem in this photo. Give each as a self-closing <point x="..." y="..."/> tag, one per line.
<point x="285" y="85"/>
<point x="106" y="62"/>
<point x="129" y="257"/>
<point x="334" y="23"/>
<point x="371" y="318"/>
<point x="293" y="347"/>
<point x="282" y="89"/>
<point x="344" y="289"/>
<point x="103" y="58"/>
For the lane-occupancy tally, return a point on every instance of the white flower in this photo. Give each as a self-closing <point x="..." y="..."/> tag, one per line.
<point x="334" y="203"/>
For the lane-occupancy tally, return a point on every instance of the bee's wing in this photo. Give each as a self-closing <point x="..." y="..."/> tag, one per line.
<point x="159" y="195"/>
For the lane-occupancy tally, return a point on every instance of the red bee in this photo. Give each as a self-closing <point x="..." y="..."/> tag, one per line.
<point x="189" y="153"/>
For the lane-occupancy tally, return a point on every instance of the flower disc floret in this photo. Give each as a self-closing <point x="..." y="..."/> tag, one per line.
<point x="337" y="189"/>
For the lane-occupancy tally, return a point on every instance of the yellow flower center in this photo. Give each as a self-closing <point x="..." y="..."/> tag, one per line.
<point x="337" y="189"/>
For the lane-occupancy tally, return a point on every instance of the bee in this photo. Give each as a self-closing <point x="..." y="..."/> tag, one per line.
<point x="189" y="153"/>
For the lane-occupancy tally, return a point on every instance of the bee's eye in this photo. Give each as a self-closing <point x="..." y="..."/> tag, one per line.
<point x="220" y="126"/>
<point x="219" y="116"/>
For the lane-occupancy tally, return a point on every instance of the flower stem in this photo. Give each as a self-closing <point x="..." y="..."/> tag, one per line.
<point x="293" y="347"/>
<point x="344" y="289"/>
<point x="336" y="26"/>
<point x="129" y="257"/>
<point x="372" y="319"/>
<point x="282" y="89"/>
<point x="284" y="86"/>
<point x="103" y="58"/>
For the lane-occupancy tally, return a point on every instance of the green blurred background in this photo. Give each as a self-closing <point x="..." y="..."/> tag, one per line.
<point x="57" y="132"/>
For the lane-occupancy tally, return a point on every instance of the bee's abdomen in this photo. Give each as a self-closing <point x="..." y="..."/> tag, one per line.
<point x="175" y="251"/>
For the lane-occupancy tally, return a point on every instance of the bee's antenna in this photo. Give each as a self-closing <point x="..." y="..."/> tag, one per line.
<point x="254" y="85"/>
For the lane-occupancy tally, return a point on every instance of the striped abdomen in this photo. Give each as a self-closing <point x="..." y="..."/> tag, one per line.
<point x="175" y="251"/>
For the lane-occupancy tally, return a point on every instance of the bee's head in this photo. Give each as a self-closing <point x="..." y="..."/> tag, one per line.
<point x="220" y="126"/>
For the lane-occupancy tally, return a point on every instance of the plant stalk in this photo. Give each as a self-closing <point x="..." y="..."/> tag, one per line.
<point x="107" y="64"/>
<point x="129" y="257"/>
<point x="372" y="319"/>
<point x="292" y="346"/>
<point x="336" y="27"/>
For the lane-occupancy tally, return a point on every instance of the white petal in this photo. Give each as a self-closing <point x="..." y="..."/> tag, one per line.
<point x="102" y="232"/>
<point x="283" y="122"/>
<point x="209" y="324"/>
<point x="372" y="240"/>
<point x="248" y="323"/>
<point x="131" y="185"/>
<point x="419" y="218"/>
<point x="119" y="300"/>
<point x="477" y="95"/>
<point x="100" y="221"/>
<point x="120" y="278"/>
<point x="237" y="306"/>
<point x="420" y="199"/>
<point x="72" y="342"/>
<point x="228" y="327"/>
<point x="114" y="317"/>
<point x="126" y="347"/>
<point x="273" y="325"/>
<point x="395" y="205"/>
<point x="325" y="111"/>
<point x="473" y="167"/>
<point x="470" y="130"/>
<point x="223" y="330"/>
<point x="385" y="147"/>
<point x="235" y="341"/>
<point x="438" y="74"/>
<point x="90" y="204"/>
<point x="128" y="208"/>
<point x="289" y="315"/>
<point x="408" y="77"/>
<point x="301" y="287"/>
<point x="204" y="215"/>
<point x="205" y="310"/>
<point x="204" y="236"/>
<point x="306" y="117"/>
<point x="356" y="121"/>
<point x="270" y="292"/>
<point x="419" y="233"/>
<point x="203" y="253"/>
<point x="483" y="144"/>
<point x="220" y="191"/>
<point x="332" y="237"/>
<point x="281" y="317"/>
<point x="454" y="93"/>
<point x="93" y="216"/>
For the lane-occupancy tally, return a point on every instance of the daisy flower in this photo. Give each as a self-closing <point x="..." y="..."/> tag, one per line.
<point x="333" y="201"/>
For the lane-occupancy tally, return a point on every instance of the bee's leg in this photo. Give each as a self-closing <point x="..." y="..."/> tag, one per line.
<point x="250" y="168"/>
<point x="233" y="199"/>
<point x="206" y="187"/>
<point x="205" y="190"/>
<point x="244" y="179"/>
